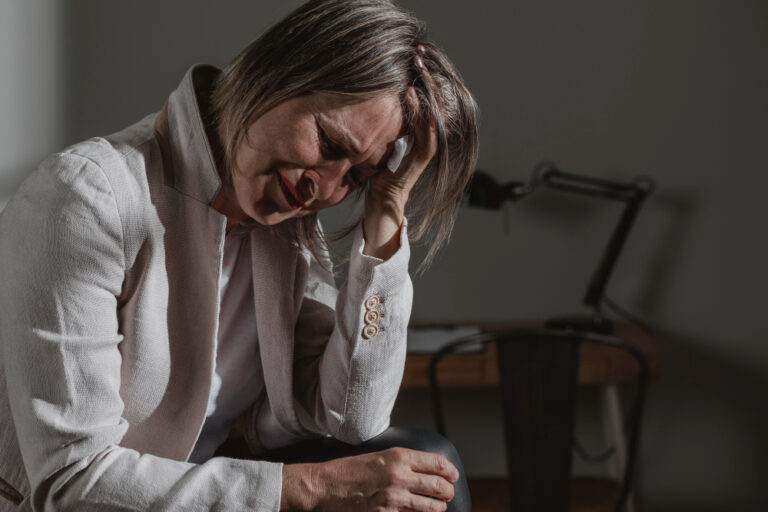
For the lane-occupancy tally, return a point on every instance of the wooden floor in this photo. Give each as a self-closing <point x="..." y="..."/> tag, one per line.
<point x="488" y="494"/>
<point x="588" y="494"/>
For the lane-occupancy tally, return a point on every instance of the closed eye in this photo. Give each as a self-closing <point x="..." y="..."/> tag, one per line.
<point x="354" y="178"/>
<point x="329" y="149"/>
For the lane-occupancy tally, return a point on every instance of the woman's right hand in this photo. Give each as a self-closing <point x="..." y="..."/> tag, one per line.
<point x="396" y="479"/>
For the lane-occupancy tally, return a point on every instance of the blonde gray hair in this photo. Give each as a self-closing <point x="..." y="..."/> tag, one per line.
<point x="359" y="48"/>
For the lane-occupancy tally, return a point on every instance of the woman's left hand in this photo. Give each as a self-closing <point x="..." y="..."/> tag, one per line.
<point x="389" y="192"/>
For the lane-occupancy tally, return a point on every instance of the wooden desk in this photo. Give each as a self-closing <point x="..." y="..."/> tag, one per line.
<point x="597" y="364"/>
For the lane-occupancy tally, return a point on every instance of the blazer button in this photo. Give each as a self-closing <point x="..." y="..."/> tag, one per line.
<point x="369" y="331"/>
<point x="372" y="302"/>
<point x="371" y="316"/>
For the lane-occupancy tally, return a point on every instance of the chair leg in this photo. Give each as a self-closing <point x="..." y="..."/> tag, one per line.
<point x="614" y="431"/>
<point x="538" y="383"/>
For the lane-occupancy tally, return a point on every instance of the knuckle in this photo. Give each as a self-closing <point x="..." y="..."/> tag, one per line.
<point x="442" y="488"/>
<point x="437" y="506"/>
<point x="448" y="490"/>
<point x="398" y="455"/>
<point x="389" y="497"/>
<point x="391" y="474"/>
<point x="397" y="477"/>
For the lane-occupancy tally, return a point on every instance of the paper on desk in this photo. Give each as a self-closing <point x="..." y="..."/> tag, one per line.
<point x="429" y="341"/>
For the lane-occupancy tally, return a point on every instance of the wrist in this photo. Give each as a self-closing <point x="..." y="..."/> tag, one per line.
<point x="384" y="214"/>
<point x="381" y="231"/>
<point x="300" y="490"/>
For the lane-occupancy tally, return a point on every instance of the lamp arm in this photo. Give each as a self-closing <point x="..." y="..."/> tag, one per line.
<point x="548" y="175"/>
<point x="485" y="192"/>
<point x="596" y="287"/>
<point x="632" y="193"/>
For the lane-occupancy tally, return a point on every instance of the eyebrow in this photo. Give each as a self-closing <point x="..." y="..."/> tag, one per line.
<point x="348" y="144"/>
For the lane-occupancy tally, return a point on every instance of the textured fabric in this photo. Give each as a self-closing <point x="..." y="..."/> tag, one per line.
<point x="110" y="264"/>
<point x="238" y="379"/>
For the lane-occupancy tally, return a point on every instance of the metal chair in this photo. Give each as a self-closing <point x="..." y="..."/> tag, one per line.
<point x="538" y="371"/>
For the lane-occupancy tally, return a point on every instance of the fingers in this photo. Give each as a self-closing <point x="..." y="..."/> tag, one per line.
<point x="424" y="133"/>
<point x="419" y="63"/>
<point x="401" y="499"/>
<point x="433" y="463"/>
<point x="422" y="503"/>
<point x="431" y="485"/>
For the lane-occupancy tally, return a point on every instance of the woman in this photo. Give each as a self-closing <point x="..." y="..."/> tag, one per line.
<point x="169" y="284"/>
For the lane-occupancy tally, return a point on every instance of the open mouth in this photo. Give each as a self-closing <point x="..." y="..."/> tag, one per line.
<point x="289" y="191"/>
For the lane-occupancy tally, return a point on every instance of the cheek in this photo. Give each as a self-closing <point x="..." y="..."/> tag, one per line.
<point x="249" y="191"/>
<point x="299" y="148"/>
<point x="296" y="144"/>
<point x="249" y="161"/>
<point x="338" y="196"/>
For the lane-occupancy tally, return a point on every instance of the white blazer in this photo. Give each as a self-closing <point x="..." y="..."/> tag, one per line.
<point x="109" y="270"/>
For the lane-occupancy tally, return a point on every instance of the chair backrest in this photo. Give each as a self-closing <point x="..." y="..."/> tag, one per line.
<point x="538" y="371"/>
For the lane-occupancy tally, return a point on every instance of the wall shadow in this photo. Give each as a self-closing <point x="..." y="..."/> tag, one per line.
<point x="704" y="437"/>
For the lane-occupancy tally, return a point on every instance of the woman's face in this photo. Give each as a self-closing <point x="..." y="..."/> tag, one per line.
<point x="309" y="152"/>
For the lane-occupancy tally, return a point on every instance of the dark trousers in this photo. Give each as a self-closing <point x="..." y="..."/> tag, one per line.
<point x="320" y="450"/>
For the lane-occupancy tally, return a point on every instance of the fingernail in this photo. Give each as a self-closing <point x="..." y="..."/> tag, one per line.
<point x="420" y="48"/>
<point x="418" y="62"/>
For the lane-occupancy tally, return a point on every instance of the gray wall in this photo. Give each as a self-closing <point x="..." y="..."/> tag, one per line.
<point x="615" y="89"/>
<point x="31" y="124"/>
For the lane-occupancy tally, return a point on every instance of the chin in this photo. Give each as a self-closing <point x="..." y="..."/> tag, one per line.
<point x="274" y="216"/>
<point x="272" y="220"/>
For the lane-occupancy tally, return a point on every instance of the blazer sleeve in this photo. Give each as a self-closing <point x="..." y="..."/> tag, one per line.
<point x="351" y="344"/>
<point x="61" y="248"/>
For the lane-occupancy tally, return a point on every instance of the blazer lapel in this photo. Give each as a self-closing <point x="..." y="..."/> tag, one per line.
<point x="193" y="255"/>
<point x="193" y="240"/>
<point x="274" y="277"/>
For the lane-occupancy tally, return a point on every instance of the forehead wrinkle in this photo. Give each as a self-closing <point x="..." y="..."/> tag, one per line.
<point x="337" y="131"/>
<point x="348" y="140"/>
<point x="381" y="128"/>
<point x="338" y="118"/>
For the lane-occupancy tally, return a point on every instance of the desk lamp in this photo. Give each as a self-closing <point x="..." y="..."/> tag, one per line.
<point x="485" y="192"/>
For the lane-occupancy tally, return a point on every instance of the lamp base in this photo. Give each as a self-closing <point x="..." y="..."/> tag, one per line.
<point x="581" y="323"/>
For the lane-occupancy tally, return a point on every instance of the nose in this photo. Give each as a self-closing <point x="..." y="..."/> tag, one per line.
<point x="325" y="184"/>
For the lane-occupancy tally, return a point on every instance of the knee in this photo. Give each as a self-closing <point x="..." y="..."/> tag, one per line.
<point x="419" y="439"/>
<point x="428" y="441"/>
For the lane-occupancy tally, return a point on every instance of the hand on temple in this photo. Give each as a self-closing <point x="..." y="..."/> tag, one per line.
<point x="389" y="191"/>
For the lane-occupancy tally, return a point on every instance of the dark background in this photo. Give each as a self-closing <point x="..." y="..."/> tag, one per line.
<point x="676" y="90"/>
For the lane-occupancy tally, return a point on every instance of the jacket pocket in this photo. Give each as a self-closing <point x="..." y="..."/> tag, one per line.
<point x="8" y="492"/>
